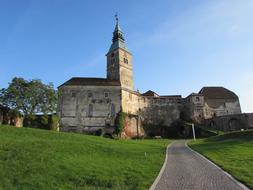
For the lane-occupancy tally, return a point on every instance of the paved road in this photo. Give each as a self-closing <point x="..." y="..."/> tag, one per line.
<point x="186" y="170"/>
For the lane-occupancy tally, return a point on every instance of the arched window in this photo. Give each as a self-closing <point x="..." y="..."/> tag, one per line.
<point x="113" y="110"/>
<point x="90" y="110"/>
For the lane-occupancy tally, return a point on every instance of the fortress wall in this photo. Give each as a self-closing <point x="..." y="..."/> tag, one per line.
<point x="233" y="122"/>
<point x="77" y="108"/>
<point x="221" y="107"/>
<point x="131" y="102"/>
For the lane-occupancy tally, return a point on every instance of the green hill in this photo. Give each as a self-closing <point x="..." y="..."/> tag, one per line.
<point x="232" y="151"/>
<point x="40" y="159"/>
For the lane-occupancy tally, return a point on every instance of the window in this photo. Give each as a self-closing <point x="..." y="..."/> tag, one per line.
<point x="106" y="94"/>
<point x="197" y="99"/>
<point x="90" y="95"/>
<point x="125" y="61"/>
<point x="90" y="110"/>
<point x="113" y="110"/>
<point x="73" y="94"/>
<point x="113" y="58"/>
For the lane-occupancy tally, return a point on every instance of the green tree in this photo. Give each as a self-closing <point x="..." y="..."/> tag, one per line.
<point x="29" y="97"/>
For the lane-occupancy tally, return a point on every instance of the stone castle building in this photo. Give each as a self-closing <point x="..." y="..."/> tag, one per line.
<point x="92" y="104"/>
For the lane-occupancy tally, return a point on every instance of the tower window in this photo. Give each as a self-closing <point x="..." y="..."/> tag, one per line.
<point x="125" y="61"/>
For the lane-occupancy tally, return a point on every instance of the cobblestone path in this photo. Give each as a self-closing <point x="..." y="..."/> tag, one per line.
<point x="186" y="170"/>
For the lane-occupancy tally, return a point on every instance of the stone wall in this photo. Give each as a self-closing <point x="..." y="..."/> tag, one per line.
<point x="119" y="67"/>
<point x="230" y="122"/>
<point x="221" y="107"/>
<point x="193" y="110"/>
<point x="131" y="102"/>
<point x="153" y="110"/>
<point x="83" y="107"/>
<point x="132" y="127"/>
<point x="126" y="69"/>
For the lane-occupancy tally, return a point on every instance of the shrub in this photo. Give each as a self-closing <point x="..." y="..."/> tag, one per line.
<point x="120" y="122"/>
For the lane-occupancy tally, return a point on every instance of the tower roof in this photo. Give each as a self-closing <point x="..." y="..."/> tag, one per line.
<point x="118" y="40"/>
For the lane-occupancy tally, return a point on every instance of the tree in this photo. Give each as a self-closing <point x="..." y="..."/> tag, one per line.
<point x="29" y="97"/>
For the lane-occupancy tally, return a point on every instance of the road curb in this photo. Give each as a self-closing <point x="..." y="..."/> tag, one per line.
<point x="226" y="173"/>
<point x="153" y="186"/>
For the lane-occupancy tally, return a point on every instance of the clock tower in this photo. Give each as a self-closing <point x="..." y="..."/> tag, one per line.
<point x="119" y="60"/>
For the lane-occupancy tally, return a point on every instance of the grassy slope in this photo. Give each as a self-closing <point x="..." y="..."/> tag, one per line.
<point x="40" y="159"/>
<point x="232" y="151"/>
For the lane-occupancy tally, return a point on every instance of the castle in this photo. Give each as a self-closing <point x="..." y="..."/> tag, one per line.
<point x="91" y="104"/>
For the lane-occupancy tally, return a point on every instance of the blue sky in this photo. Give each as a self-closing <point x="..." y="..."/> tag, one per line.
<point x="178" y="46"/>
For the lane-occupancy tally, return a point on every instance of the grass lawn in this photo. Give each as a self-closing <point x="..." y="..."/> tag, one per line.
<point x="233" y="152"/>
<point x="40" y="159"/>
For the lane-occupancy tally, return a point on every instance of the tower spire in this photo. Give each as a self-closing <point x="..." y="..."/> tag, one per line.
<point x="117" y="34"/>
<point x="116" y="17"/>
<point x="117" y="22"/>
<point x="118" y="40"/>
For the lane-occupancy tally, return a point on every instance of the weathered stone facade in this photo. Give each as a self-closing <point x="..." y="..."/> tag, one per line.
<point x="84" y="107"/>
<point x="232" y="122"/>
<point x="92" y="104"/>
<point x="211" y="102"/>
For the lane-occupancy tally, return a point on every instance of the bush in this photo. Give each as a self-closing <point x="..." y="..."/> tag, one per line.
<point x="120" y="122"/>
<point x="49" y="122"/>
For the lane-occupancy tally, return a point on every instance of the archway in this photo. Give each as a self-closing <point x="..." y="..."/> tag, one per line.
<point x="234" y="124"/>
